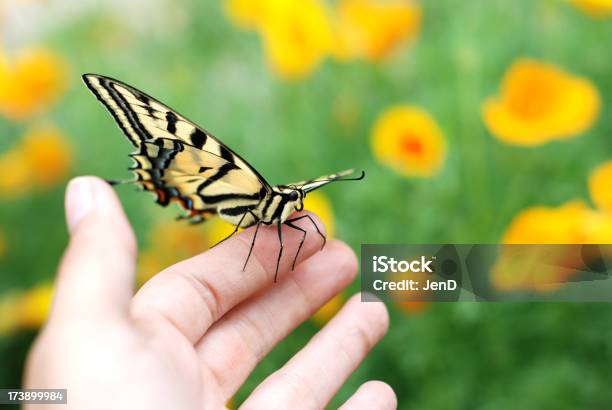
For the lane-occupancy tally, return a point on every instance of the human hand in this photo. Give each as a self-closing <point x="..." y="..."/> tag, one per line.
<point x="192" y="334"/>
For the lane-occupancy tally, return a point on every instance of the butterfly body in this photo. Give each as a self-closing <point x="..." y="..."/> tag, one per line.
<point x="181" y="162"/>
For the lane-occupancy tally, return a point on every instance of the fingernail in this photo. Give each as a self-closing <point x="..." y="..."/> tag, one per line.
<point x="79" y="201"/>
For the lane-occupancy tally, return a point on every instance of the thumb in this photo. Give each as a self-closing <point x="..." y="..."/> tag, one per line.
<point x="95" y="278"/>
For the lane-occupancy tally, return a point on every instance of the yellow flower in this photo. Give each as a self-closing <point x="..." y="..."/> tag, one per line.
<point x="41" y="159"/>
<point x="597" y="8"/>
<point x="573" y="222"/>
<point x="545" y="269"/>
<point x="16" y="174"/>
<point x="371" y="29"/>
<point x="297" y="36"/>
<point x="246" y="14"/>
<point x="539" y="103"/>
<point x="600" y="182"/>
<point x="542" y="269"/>
<point x="34" y="306"/>
<point x="407" y="139"/>
<point x="30" y="83"/>
<point x="217" y="229"/>
<point x="318" y="203"/>
<point x="329" y="310"/>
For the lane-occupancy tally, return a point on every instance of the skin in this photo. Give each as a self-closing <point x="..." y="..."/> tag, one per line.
<point x="189" y="338"/>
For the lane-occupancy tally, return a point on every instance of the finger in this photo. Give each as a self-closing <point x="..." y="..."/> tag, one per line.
<point x="96" y="275"/>
<point x="373" y="395"/>
<point x="193" y="294"/>
<point x="234" y="345"/>
<point x="312" y="377"/>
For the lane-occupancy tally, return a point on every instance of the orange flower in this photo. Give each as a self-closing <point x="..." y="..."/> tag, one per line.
<point x="329" y="310"/>
<point x="30" y="83"/>
<point x="412" y="307"/>
<point x="371" y="29"/>
<point x="596" y="8"/>
<point x="297" y="36"/>
<point x="407" y="139"/>
<point x="540" y="103"/>
<point x="41" y="159"/>
<point x="318" y="203"/>
<point x="48" y="153"/>
<point x="600" y="182"/>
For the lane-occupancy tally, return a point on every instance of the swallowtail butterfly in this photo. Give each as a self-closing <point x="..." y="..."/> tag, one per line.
<point x="181" y="162"/>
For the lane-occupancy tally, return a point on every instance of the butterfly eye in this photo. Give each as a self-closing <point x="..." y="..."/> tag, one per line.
<point x="293" y="196"/>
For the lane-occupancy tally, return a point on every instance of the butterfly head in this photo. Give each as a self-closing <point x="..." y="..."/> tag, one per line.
<point x="296" y="197"/>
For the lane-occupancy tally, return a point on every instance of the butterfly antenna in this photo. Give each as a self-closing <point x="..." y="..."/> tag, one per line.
<point x="359" y="178"/>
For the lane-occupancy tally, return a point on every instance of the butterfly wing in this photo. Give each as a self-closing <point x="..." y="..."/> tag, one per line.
<point x="175" y="158"/>
<point x="313" y="184"/>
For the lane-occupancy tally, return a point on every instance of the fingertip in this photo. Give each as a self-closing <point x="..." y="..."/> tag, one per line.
<point x="373" y="312"/>
<point x="92" y="198"/>
<point x="384" y="391"/>
<point x="346" y="258"/>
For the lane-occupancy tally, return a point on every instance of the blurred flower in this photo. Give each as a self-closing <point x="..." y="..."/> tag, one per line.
<point x="600" y="182"/>
<point x="297" y="36"/>
<point x="545" y="269"/>
<point x="573" y="222"/>
<point x="246" y="14"/>
<point x="41" y="159"/>
<point x="371" y="29"/>
<point x="30" y="82"/>
<point x="34" y="306"/>
<point x="412" y="307"/>
<point x="48" y="153"/>
<point x="597" y="8"/>
<point x="25" y="310"/>
<point x="407" y="139"/>
<point x="329" y="310"/>
<point x="540" y="103"/>
<point x="170" y="242"/>
<point x="318" y="203"/>
<point x="16" y="173"/>
<point x="217" y="229"/>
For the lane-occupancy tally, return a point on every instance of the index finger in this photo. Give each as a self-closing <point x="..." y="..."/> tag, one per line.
<point x="194" y="293"/>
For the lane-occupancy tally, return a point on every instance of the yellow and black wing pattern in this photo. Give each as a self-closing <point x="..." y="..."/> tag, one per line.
<point x="176" y="159"/>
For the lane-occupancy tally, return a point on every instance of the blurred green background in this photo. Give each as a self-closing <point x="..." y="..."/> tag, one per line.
<point x="191" y="56"/>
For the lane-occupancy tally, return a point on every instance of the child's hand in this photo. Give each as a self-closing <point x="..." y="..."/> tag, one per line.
<point x="191" y="335"/>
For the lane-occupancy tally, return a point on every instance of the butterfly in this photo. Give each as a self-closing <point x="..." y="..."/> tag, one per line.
<point x="181" y="162"/>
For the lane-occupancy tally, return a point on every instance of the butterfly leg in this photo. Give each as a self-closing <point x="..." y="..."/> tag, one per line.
<point x="315" y="225"/>
<point x="301" y="242"/>
<point x="251" y="248"/>
<point x="280" y="251"/>
<point x="234" y="231"/>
